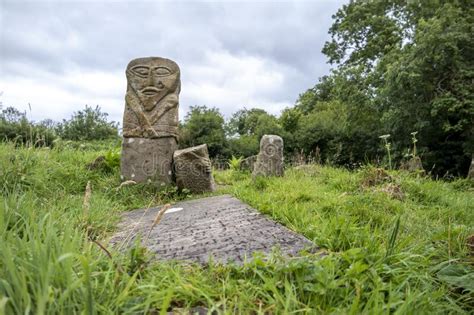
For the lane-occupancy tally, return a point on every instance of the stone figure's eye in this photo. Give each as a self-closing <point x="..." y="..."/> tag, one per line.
<point x="141" y="70"/>
<point x="162" y="71"/>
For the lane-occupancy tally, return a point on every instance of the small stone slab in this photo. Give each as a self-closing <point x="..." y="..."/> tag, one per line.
<point x="222" y="227"/>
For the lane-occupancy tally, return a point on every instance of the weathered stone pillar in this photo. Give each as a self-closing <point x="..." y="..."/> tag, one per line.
<point x="270" y="158"/>
<point x="150" y="122"/>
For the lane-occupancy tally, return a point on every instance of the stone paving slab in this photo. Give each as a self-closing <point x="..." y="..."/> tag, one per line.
<point x="222" y="227"/>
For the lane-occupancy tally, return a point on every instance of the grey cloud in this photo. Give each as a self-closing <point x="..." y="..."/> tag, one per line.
<point x="54" y="38"/>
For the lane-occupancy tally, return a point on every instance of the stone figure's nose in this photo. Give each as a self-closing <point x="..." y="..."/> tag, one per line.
<point x="151" y="79"/>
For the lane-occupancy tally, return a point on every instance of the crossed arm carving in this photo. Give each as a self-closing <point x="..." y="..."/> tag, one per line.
<point x="145" y="123"/>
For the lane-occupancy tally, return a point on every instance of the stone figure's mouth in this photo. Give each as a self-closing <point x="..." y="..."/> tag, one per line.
<point x="151" y="90"/>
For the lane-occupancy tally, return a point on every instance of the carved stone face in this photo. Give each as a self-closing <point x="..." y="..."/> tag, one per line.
<point x="152" y="79"/>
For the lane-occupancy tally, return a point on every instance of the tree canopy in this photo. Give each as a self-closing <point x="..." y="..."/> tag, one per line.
<point x="204" y="125"/>
<point x="398" y="67"/>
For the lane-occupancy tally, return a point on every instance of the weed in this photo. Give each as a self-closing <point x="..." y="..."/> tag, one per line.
<point x="234" y="163"/>
<point x="112" y="159"/>
<point x="387" y="146"/>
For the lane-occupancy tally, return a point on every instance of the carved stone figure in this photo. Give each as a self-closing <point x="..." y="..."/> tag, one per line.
<point x="270" y="158"/>
<point x="193" y="169"/>
<point x="151" y="102"/>
<point x="150" y="122"/>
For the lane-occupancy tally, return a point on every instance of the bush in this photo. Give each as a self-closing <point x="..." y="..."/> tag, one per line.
<point x="88" y="124"/>
<point x="14" y="126"/>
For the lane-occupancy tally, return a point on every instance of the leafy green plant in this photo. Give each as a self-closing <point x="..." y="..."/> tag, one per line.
<point x="112" y="159"/>
<point x="171" y="192"/>
<point x="234" y="163"/>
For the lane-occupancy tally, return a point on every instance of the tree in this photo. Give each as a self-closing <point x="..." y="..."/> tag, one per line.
<point x="88" y="124"/>
<point x="203" y="125"/>
<point x="247" y="126"/>
<point x="246" y="145"/>
<point x="403" y="66"/>
<point x="429" y="87"/>
<point x="245" y="121"/>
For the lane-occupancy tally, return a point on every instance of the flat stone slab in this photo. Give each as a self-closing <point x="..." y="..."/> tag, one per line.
<point x="222" y="227"/>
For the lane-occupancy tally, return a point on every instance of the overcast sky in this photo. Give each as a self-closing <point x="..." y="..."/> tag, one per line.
<point x="59" y="56"/>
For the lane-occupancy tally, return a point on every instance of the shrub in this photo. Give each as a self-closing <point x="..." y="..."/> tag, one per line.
<point x="14" y="126"/>
<point x="88" y="124"/>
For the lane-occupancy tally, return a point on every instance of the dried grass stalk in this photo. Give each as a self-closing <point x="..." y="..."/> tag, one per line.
<point x="157" y="220"/>
<point x="126" y="183"/>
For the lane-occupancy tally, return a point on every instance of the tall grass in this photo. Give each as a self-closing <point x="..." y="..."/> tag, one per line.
<point x="382" y="254"/>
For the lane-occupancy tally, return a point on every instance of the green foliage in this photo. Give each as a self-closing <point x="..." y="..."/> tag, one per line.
<point x="234" y="166"/>
<point x="16" y="169"/>
<point x="260" y="183"/>
<point x="112" y="159"/>
<point x="50" y="265"/>
<point x="328" y="127"/>
<point x="246" y="127"/>
<point x="88" y="124"/>
<point x="246" y="145"/>
<point x="399" y="66"/>
<point x="457" y="276"/>
<point x="337" y="117"/>
<point x="393" y="238"/>
<point x="107" y="163"/>
<point x="234" y="163"/>
<point x="204" y="125"/>
<point x="245" y="121"/>
<point x="373" y="241"/>
<point x="267" y="125"/>
<point x="429" y="85"/>
<point x="15" y="126"/>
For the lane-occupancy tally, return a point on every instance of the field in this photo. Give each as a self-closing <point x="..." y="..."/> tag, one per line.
<point x="393" y="243"/>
